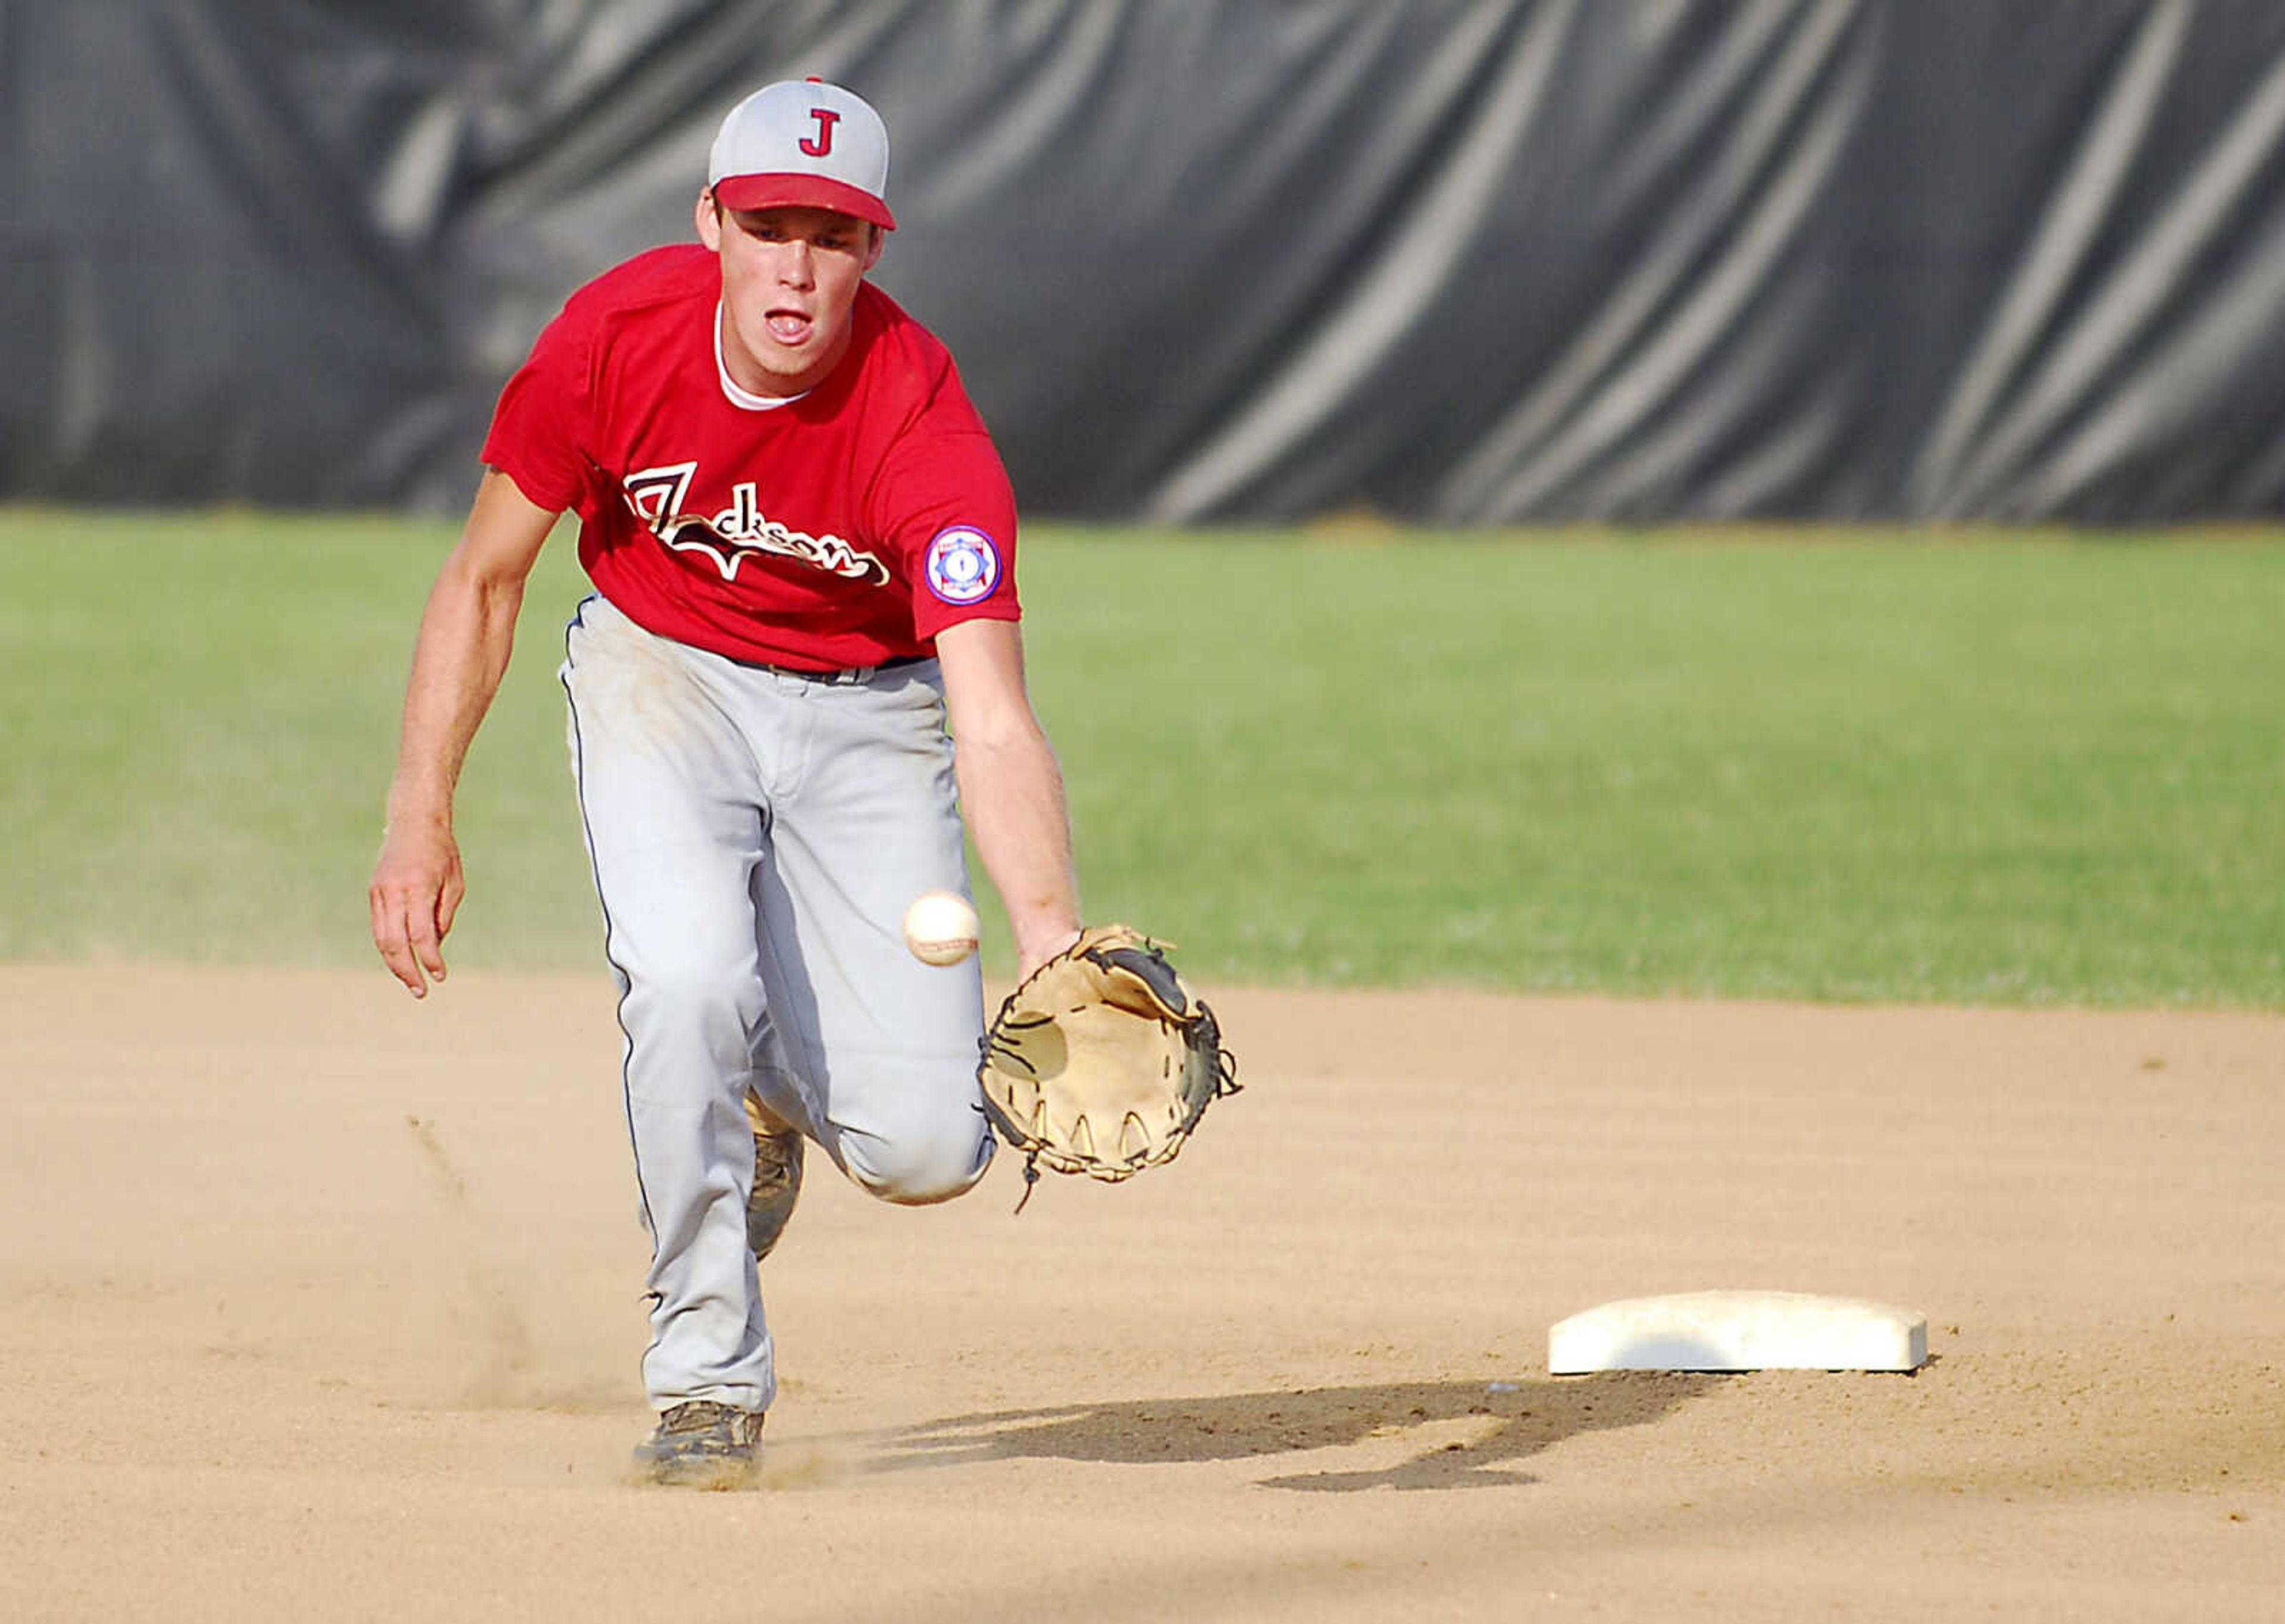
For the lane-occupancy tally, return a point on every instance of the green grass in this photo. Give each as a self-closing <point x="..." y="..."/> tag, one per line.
<point x="1997" y="769"/>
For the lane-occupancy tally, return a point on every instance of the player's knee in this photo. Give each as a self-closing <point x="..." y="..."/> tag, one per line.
<point x="918" y="1169"/>
<point x="691" y="994"/>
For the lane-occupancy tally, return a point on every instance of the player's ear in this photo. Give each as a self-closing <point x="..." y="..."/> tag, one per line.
<point x="880" y="241"/>
<point x="709" y="217"/>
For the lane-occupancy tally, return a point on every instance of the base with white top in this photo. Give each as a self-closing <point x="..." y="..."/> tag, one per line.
<point x="1739" y="1330"/>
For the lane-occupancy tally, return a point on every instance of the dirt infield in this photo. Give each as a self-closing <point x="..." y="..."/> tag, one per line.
<point x="321" y="1303"/>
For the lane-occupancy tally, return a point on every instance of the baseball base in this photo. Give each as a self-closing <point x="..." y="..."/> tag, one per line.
<point x="1739" y="1330"/>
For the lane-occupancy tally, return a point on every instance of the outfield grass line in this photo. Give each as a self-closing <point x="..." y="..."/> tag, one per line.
<point x="1886" y="767"/>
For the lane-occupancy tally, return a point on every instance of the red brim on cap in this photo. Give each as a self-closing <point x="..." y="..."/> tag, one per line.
<point x="802" y="192"/>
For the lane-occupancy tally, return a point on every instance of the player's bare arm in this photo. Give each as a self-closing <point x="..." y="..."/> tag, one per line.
<point x="1011" y="786"/>
<point x="467" y="633"/>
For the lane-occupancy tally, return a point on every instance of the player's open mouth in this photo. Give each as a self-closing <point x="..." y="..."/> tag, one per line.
<point x="788" y="326"/>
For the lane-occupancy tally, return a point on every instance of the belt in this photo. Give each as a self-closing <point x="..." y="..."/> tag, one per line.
<point x="852" y="675"/>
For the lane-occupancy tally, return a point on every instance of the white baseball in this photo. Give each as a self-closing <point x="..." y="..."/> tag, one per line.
<point x="940" y="928"/>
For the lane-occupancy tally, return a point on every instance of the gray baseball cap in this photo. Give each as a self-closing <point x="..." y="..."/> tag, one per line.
<point x="803" y="143"/>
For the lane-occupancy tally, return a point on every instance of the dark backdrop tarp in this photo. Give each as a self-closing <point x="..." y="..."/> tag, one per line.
<point x="1484" y="261"/>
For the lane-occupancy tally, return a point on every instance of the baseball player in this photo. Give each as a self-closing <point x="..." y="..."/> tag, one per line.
<point x="802" y="543"/>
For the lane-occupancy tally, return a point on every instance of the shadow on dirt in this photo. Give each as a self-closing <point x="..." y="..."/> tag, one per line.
<point x="1465" y="1435"/>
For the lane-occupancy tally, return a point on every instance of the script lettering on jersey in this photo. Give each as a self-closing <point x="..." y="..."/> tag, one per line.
<point x="821" y="143"/>
<point x="739" y="531"/>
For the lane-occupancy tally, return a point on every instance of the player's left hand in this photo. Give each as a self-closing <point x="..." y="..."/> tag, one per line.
<point x="1101" y="1061"/>
<point x="1031" y="955"/>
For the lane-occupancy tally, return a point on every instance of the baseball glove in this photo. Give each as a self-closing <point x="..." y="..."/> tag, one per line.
<point x="1102" y="1062"/>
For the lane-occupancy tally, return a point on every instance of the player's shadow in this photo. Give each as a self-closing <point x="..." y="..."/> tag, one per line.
<point x="1466" y="1434"/>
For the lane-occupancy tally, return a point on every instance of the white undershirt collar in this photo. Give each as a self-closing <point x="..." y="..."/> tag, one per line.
<point x="745" y="400"/>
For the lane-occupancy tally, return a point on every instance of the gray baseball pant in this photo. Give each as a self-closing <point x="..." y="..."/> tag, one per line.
<point x="756" y="835"/>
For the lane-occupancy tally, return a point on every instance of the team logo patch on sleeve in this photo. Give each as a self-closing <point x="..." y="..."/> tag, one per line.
<point x="964" y="566"/>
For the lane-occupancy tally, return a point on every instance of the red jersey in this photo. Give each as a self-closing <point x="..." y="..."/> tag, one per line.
<point x="844" y="527"/>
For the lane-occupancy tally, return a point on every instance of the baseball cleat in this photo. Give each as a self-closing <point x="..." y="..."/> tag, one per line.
<point x="777" y="1179"/>
<point x="703" y="1445"/>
